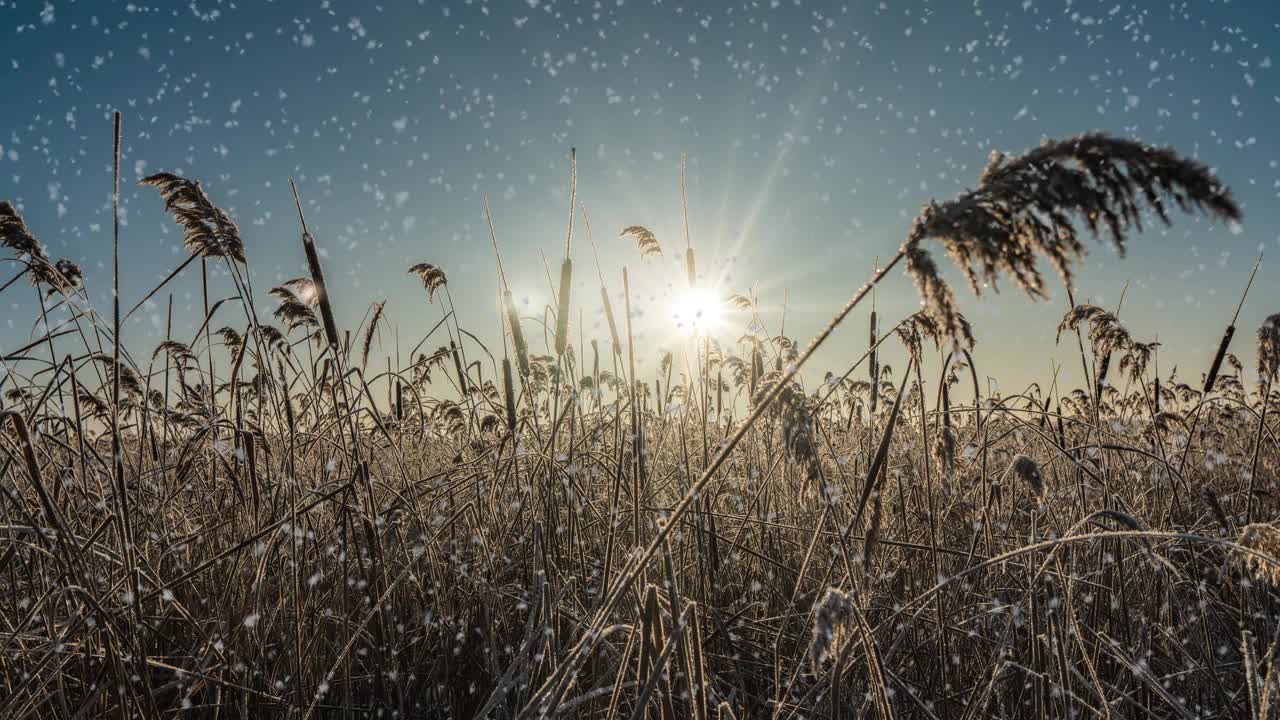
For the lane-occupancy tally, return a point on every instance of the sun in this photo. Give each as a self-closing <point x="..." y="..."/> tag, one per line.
<point x="697" y="311"/>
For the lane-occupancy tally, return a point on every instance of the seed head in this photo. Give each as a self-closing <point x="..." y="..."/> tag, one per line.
<point x="1264" y="539"/>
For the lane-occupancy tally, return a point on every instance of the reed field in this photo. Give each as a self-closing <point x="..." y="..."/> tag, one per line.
<point x="279" y="517"/>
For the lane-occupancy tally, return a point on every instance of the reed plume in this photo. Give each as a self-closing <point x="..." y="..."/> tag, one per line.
<point x="15" y="235"/>
<point x="432" y="277"/>
<point x="1269" y="348"/>
<point x="1263" y="539"/>
<point x="646" y="241"/>
<point x="1026" y="470"/>
<point x="367" y="343"/>
<point x="1028" y="206"/>
<point x="208" y="231"/>
<point x="297" y="304"/>
<point x="832" y="618"/>
<point x="63" y="275"/>
<point x="1106" y="334"/>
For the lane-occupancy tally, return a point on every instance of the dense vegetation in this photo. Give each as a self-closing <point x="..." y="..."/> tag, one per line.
<point x="261" y="521"/>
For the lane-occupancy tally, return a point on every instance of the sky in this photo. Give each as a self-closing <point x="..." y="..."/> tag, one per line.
<point x="814" y="131"/>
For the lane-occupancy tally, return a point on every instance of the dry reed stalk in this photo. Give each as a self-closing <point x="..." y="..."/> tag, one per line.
<point x="508" y="303"/>
<point x="637" y="451"/>
<point x="873" y="369"/>
<point x="604" y="293"/>
<point x="317" y="277"/>
<point x="690" y="265"/>
<point x="1215" y="367"/>
<point x="1268" y="367"/>
<point x="509" y="395"/>
<point x="566" y="267"/>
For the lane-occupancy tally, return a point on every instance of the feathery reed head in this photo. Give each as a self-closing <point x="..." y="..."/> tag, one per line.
<point x="297" y="303"/>
<point x="63" y="275"/>
<point x="1026" y="470"/>
<point x="1028" y="205"/>
<point x="69" y="273"/>
<point x="831" y="620"/>
<point x="796" y="418"/>
<point x="15" y="235"/>
<point x="366" y="344"/>
<point x="432" y="277"/>
<point x="922" y="325"/>
<point x="1137" y="359"/>
<point x="209" y="232"/>
<point x="646" y="241"/>
<point x="1263" y="539"/>
<point x="230" y="338"/>
<point x="1106" y="334"/>
<point x="1269" y="347"/>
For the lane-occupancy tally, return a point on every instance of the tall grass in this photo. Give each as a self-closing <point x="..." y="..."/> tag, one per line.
<point x="275" y="541"/>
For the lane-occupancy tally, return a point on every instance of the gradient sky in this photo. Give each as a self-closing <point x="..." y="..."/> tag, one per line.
<point x="814" y="132"/>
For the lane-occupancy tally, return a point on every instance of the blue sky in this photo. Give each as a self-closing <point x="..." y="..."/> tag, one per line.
<point x="814" y="132"/>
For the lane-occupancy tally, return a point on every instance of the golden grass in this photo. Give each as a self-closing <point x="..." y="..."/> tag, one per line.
<point x="304" y="534"/>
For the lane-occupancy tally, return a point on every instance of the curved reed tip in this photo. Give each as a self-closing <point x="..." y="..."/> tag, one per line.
<point x="1026" y="470"/>
<point x="646" y="241"/>
<point x="1269" y="347"/>
<point x="209" y="231"/>
<point x="432" y="277"/>
<point x="14" y="234"/>
<point x="1262" y="539"/>
<point x="1030" y="205"/>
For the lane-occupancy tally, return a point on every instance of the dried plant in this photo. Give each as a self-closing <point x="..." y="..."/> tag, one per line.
<point x="1027" y="471"/>
<point x="230" y="338"/>
<point x="1029" y="205"/>
<point x="432" y="277"/>
<point x="832" y="621"/>
<point x="646" y="241"/>
<point x="1269" y="348"/>
<point x="1264" y="539"/>
<point x="325" y="506"/>
<point x="1138" y="358"/>
<point x="297" y="304"/>
<point x="797" y="421"/>
<point x="209" y="232"/>
<point x="1106" y="334"/>
<point x="367" y="343"/>
<point x="14" y="234"/>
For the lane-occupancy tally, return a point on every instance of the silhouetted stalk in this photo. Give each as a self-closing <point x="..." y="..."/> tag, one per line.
<point x="1212" y="377"/>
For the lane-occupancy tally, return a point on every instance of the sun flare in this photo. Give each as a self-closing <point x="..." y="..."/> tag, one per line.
<point x="698" y="311"/>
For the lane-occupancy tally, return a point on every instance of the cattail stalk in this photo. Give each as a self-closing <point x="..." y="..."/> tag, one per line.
<point x="566" y="267"/>
<point x="509" y="394"/>
<point x="1214" y="368"/>
<point x="604" y="293"/>
<point x="508" y="302"/>
<point x="689" y="263"/>
<point x="637" y="452"/>
<point x="317" y="276"/>
<point x="874" y="368"/>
